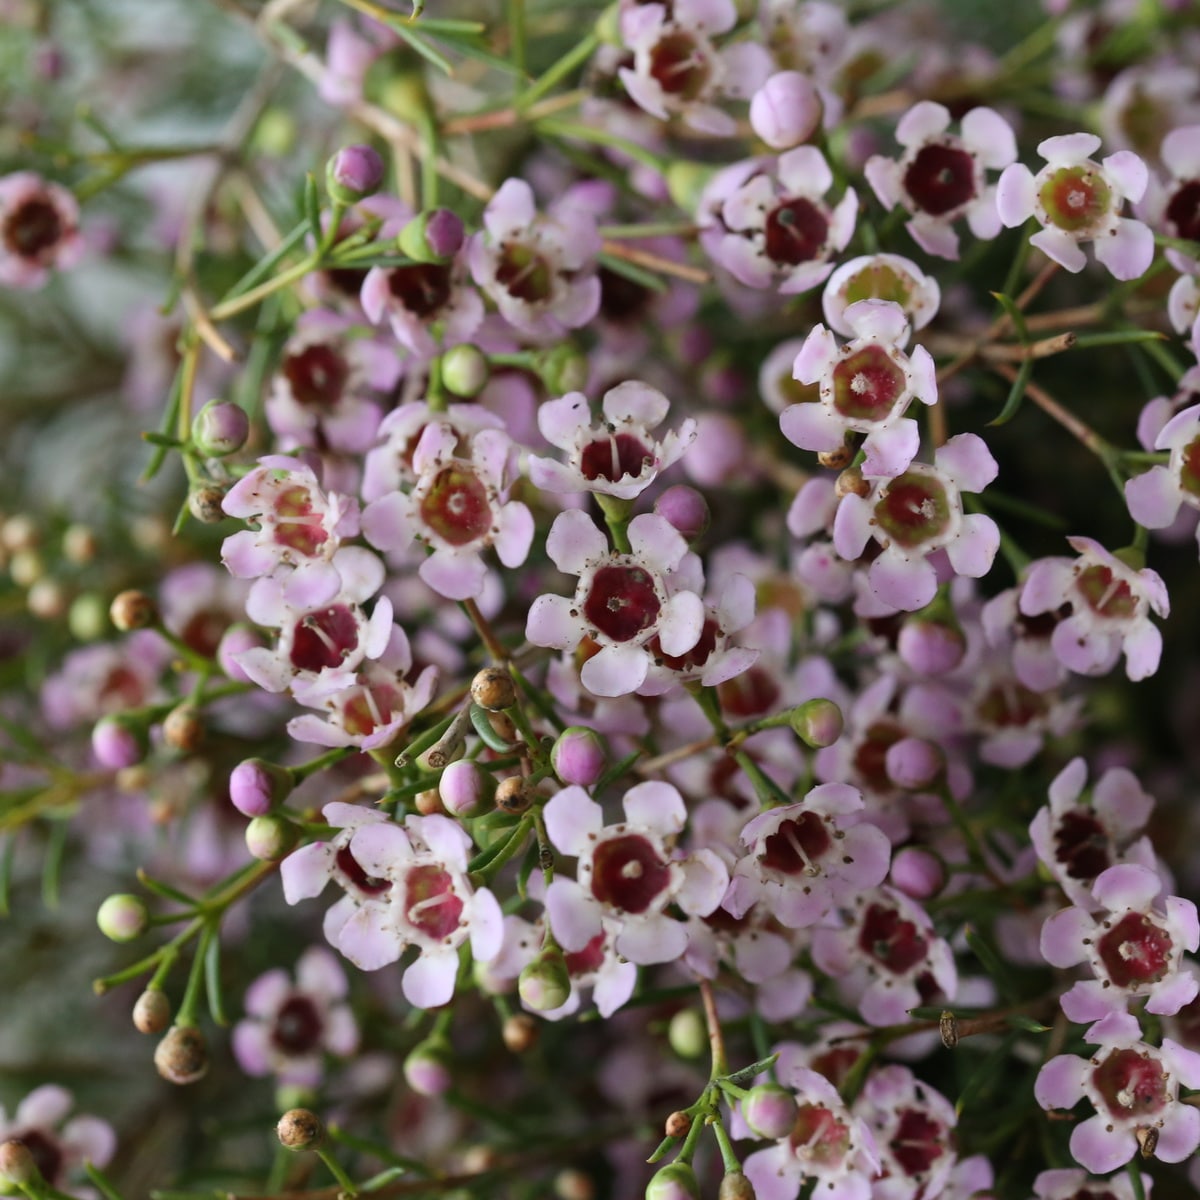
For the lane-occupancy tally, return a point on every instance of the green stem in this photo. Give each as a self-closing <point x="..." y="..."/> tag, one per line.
<point x="348" y="1186"/>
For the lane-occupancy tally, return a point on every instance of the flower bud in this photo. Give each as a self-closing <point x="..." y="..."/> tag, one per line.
<point x="427" y="1068"/>
<point x="786" y="110"/>
<point x="122" y="917"/>
<point x="687" y="1034"/>
<point x="26" y="567"/>
<point x="817" y="723"/>
<point x="545" y="983"/>
<point x="152" y="1011"/>
<point x="270" y="838"/>
<point x="520" y="1033"/>
<point x="88" y="618"/>
<point x="435" y="236"/>
<point x="234" y="641"/>
<point x="17" y="1165"/>
<point x="47" y="600"/>
<point x="917" y="873"/>
<point x="182" y="728"/>
<point x="465" y="370"/>
<point x="463" y="788"/>
<point x="182" y="1056"/>
<point x="685" y="509"/>
<point x="573" y="1184"/>
<point x="564" y="368"/>
<point x="513" y="795"/>
<point x="79" y="544"/>
<point x="354" y="173"/>
<point x="300" y="1129"/>
<point x="677" y="1125"/>
<point x="686" y="182"/>
<point x="220" y="428"/>
<point x="769" y="1110"/>
<point x="132" y="610"/>
<point x="578" y="756"/>
<point x="204" y="503"/>
<point x="117" y="743"/>
<point x="931" y="647"/>
<point x="676" y="1181"/>
<point x="493" y="689"/>
<point x="257" y="786"/>
<point x="20" y="532"/>
<point x="735" y="1186"/>
<point x="913" y="763"/>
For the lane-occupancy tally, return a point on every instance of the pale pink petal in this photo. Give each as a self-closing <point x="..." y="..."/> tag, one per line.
<point x="44" y="1107"/>
<point x="305" y="872"/>
<point x="1181" y="151"/>
<point x="1128" y="251"/>
<point x="1060" y="1082"/>
<point x="615" y="982"/>
<point x="934" y="236"/>
<point x="1069" y="149"/>
<point x="1128" y="172"/>
<point x="574" y="542"/>
<point x="573" y="819"/>
<point x="705" y="879"/>
<point x="387" y="523"/>
<point x="1179" y="1134"/>
<point x="655" y="806"/>
<point x="319" y="974"/>
<point x="925" y="120"/>
<point x="380" y="848"/>
<point x="852" y="527"/>
<point x="1143" y="650"/>
<point x="890" y="451"/>
<point x="487" y="926"/>
<point x="89" y="1139"/>
<point x="1099" y="1148"/>
<point x="988" y="135"/>
<point x="655" y="940"/>
<point x="561" y="420"/>
<point x="1016" y="195"/>
<point x="973" y="551"/>
<point x="906" y="584"/>
<point x="883" y="175"/>
<point x="1062" y="938"/>
<point x="816" y="357"/>
<point x="983" y="217"/>
<point x="267" y="993"/>
<point x="681" y="623"/>
<point x="1061" y="247"/>
<point x="881" y="319"/>
<point x="968" y="462"/>
<point x="514" y="534"/>
<point x="812" y="427"/>
<point x="1153" y="498"/>
<point x="615" y="671"/>
<point x="551" y="623"/>
<point x="368" y="940"/>
<point x="636" y="402"/>
<point x="1127" y="886"/>
<point x="656" y="541"/>
<point x="429" y="982"/>
<point x="573" y="916"/>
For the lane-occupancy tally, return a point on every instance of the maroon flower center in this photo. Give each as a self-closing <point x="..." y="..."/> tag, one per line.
<point x="628" y="874"/>
<point x="1106" y="595"/>
<point x="1075" y="198"/>
<point x="587" y="960"/>
<point x="1011" y="704"/>
<point x="1131" y="1084"/>
<point x="679" y="65"/>
<point x="121" y="688"/>
<point x="870" y="759"/>
<point x="524" y="273"/>
<point x="867" y="385"/>
<point x="941" y="179"/>
<point x="298" y="1026"/>
<point x="918" y="1143"/>
<point x="622" y="602"/>
<point x="317" y="376"/>
<point x="818" y="1137"/>
<point x="371" y="706"/>
<point x="296" y="525"/>
<point x="457" y="507"/>
<point x="422" y="288"/>
<point x="913" y="508"/>
<point x="324" y="639"/>
<point x="204" y="630"/>
<point x="1089" y="1194"/>
<point x="430" y="902"/>
<point x="1081" y="844"/>
<point x="796" y="231"/>
<point x="890" y="940"/>
<point x="1189" y="468"/>
<point x="617" y="456"/>
<point x="352" y="873"/>
<point x="1135" y="950"/>
<point x="33" y="229"/>
<point x="796" y="845"/>
<point x="696" y="657"/>
<point x="836" y="1063"/>
<point x="622" y="298"/>
<point x="1183" y="210"/>
<point x="45" y="1151"/>
<point x="749" y="694"/>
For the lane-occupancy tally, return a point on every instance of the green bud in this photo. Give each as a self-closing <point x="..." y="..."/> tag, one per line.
<point x="87" y="618"/>
<point x="676" y="1181"/>
<point x="686" y="181"/>
<point x="428" y="1067"/>
<point x="735" y="1186"/>
<point x="545" y="983"/>
<point x="122" y="917"/>
<point x="687" y="1033"/>
<point x="270" y="838"/>
<point x="563" y="368"/>
<point x="465" y="370"/>
<point x="817" y="723"/>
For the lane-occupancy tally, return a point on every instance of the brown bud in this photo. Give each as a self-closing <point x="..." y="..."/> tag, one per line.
<point x="79" y="544"/>
<point x="183" y="729"/>
<point x="19" y="533"/>
<point x="47" y="600"/>
<point x="152" y="1011"/>
<point x="677" y="1125"/>
<point x="513" y="796"/>
<point x="479" y="1159"/>
<point x="132" y="610"/>
<point x="26" y="567"/>
<point x="204" y="503"/>
<point x="851" y="482"/>
<point x="573" y="1184"/>
<point x="182" y="1056"/>
<point x="17" y="1165"/>
<point x="502" y="723"/>
<point x="493" y="689"/>
<point x="299" y="1129"/>
<point x="835" y="460"/>
<point x="429" y="802"/>
<point x="520" y="1033"/>
<point x="735" y="1186"/>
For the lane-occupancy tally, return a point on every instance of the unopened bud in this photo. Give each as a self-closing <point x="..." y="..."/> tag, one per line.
<point x="850" y="482"/>
<point x="131" y="610"/>
<point x="429" y="802"/>
<point x="354" y="173"/>
<point x="182" y="1056"/>
<point x="17" y="1165"/>
<point x="677" y="1124"/>
<point x="913" y="763"/>
<point x="545" y="983"/>
<point x="917" y="873"/>
<point x="88" y="617"/>
<point x="427" y="1068"/>
<point x="20" y="532"/>
<point x="220" y="428"/>
<point x="573" y="1184"/>
<point x="493" y="689"/>
<point x="735" y="1186"/>
<point x="204" y="503"/>
<point x="676" y="1181"/>
<point x="786" y="110"/>
<point x="563" y="369"/>
<point x="520" y="1033"/>
<point x="480" y="1158"/>
<point x="270" y="838"/>
<point x="465" y="370"/>
<point x="257" y="786"/>
<point x="433" y="237"/>
<point x="817" y="723"/>
<point x="769" y="1110"/>
<point x="837" y="459"/>
<point x="503" y="726"/>
<point x="685" y="509"/>
<point x="26" y="567"/>
<point x="513" y="795"/>
<point x="122" y="917"/>
<point x="931" y="646"/>
<point x="79" y="544"/>
<point x="237" y="639"/>
<point x="47" y="600"/>
<point x="152" y="1011"/>
<point x="578" y="756"/>
<point x="687" y="1033"/>
<point x="300" y="1129"/>
<point x="182" y="728"/>
<point x="118" y="743"/>
<point x="464" y="787"/>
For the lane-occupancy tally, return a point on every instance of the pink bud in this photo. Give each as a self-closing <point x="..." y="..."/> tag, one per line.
<point x="786" y="110"/>
<point x="578" y="756"/>
<point x="354" y="172"/>
<point x="115" y="744"/>
<point x="220" y="428"/>
<point x="770" y="1110"/>
<point x="462" y="787"/>
<point x="685" y="509"/>
<point x="236" y="640"/>
<point x="256" y="786"/>
<point x="930" y="647"/>
<point x="427" y="1068"/>
<point x="917" y="873"/>
<point x="913" y="763"/>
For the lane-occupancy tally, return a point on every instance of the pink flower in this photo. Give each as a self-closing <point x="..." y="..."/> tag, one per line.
<point x="539" y="269"/>
<point x="1133" y="1087"/>
<point x="59" y="1147"/>
<point x="619" y="458"/>
<point x="1132" y="949"/>
<point x="1070" y="1183"/>
<point x="866" y="387"/>
<point x="39" y="230"/>
<point x="1109" y="603"/>
<point x="940" y="177"/>
<point x="1174" y="205"/>
<point x="807" y="858"/>
<point x="880" y="277"/>
<point x="456" y="509"/>
<point x="289" y="1028"/>
<point x="916" y="514"/>
<point x="622" y="601"/>
<point x="1077" y="200"/>
<point x="776" y="230"/>
<point x="103" y="680"/>
<point x="626" y="877"/>
<point x="810" y="37"/>
<point x="1155" y="497"/>
<point x="1025" y="641"/>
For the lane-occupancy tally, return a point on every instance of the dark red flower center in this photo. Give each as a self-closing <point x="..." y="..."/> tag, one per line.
<point x="618" y="456"/>
<point x="1105" y="594"/>
<point x="621" y="298"/>
<point x="797" y="845"/>
<point x="749" y="694"/>
<point x="836" y="1063"/>
<point x="893" y="942"/>
<point x="325" y="638"/>
<point x="796" y="231"/>
<point x="359" y="881"/>
<point x="696" y="657"/>
<point x="430" y="902"/>
<point x="33" y="229"/>
<point x="868" y="384"/>
<point x="941" y="179"/>
<point x="818" y="1136"/>
<point x="45" y="1151"/>
<point x="121" y="688"/>
<point x="587" y="960"/>
<point x="1183" y="210"/>
<point x="317" y="375"/>
<point x="622" y="602"/>
<point x="628" y="873"/>
<point x="918" y="1143"/>
<point x="679" y="65"/>
<point x="1135" y="950"/>
<point x="204" y="630"/>
<point x="1189" y="468"/>
<point x="1011" y="704"/>
<point x="372" y="705"/>
<point x="524" y="273"/>
<point x="870" y="759"/>
<point x="1081" y="844"/>
<point x="296" y="525"/>
<point x="1075" y="198"/>
<point x="913" y="508"/>
<point x="298" y="1026"/>
<point x="1131" y="1084"/>
<point x="457" y="507"/>
<point x="422" y="288"/>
